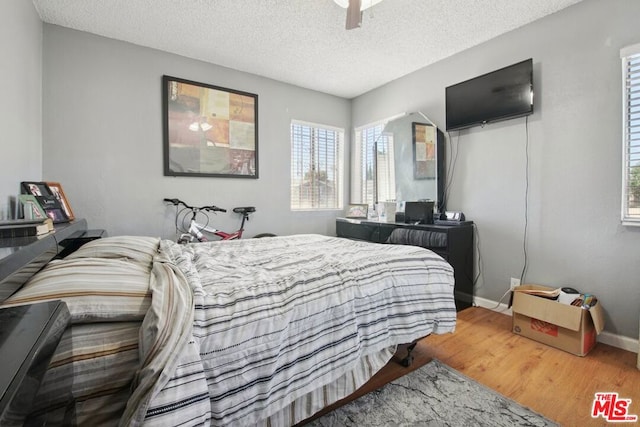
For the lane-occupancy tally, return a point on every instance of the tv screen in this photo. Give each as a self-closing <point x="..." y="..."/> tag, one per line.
<point x="499" y="95"/>
<point x="418" y="212"/>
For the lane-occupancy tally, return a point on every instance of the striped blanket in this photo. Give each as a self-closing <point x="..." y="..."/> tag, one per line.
<point x="269" y="331"/>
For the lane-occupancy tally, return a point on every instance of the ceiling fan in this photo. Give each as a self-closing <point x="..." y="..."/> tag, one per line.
<point x="354" y="11"/>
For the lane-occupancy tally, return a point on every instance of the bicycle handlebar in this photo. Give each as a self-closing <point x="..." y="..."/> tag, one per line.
<point x="212" y="208"/>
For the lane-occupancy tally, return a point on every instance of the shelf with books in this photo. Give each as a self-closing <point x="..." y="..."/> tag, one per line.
<point x="25" y="228"/>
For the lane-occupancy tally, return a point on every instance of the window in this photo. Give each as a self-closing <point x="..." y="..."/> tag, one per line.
<point x="316" y="166"/>
<point x="631" y="135"/>
<point x="373" y="157"/>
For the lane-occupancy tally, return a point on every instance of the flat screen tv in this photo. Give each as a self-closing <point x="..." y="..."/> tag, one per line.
<point x="503" y="94"/>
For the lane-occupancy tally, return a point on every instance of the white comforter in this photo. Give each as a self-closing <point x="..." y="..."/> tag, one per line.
<point x="256" y="331"/>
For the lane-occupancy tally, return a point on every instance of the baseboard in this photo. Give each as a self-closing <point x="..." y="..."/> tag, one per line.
<point x="492" y="305"/>
<point x="605" y="337"/>
<point x="619" y="341"/>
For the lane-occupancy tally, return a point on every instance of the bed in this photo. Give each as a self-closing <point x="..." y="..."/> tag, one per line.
<point x="249" y="332"/>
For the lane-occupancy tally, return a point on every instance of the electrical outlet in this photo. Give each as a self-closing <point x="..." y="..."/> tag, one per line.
<point x="514" y="282"/>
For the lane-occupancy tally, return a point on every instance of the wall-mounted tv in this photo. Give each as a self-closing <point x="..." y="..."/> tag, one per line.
<point x="503" y="94"/>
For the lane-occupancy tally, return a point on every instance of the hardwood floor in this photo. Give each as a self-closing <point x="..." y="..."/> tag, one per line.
<point x="557" y="384"/>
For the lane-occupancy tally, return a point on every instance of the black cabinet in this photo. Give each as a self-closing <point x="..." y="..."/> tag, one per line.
<point x="454" y="243"/>
<point x="28" y="339"/>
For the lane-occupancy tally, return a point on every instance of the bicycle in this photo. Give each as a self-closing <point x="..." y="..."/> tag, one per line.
<point x="195" y="229"/>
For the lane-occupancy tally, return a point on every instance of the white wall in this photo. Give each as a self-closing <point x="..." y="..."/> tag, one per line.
<point x="574" y="232"/>
<point x="103" y="138"/>
<point x="20" y="103"/>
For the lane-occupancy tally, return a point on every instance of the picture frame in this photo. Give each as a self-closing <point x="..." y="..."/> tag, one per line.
<point x="46" y="199"/>
<point x="58" y="192"/>
<point x="39" y="189"/>
<point x="31" y="209"/>
<point x="209" y="131"/>
<point x="357" y="211"/>
<point x="424" y="150"/>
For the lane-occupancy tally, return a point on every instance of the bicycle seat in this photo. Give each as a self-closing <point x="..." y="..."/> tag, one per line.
<point x="244" y="210"/>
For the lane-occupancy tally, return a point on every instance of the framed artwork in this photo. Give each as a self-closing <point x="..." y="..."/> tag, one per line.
<point x="31" y="209"/>
<point x="358" y="211"/>
<point x="424" y="151"/>
<point x="57" y="191"/>
<point x="40" y="189"/>
<point x="46" y="199"/>
<point x="209" y="131"/>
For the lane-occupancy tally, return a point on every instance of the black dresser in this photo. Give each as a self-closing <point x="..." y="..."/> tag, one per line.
<point x="454" y="243"/>
<point x="29" y="334"/>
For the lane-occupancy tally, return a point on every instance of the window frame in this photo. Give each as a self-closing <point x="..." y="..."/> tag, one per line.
<point x="627" y="54"/>
<point x="338" y="167"/>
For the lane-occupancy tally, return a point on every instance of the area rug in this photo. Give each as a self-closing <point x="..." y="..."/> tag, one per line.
<point x="433" y="395"/>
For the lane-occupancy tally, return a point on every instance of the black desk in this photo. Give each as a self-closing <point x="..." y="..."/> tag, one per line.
<point x="22" y="257"/>
<point x="29" y="335"/>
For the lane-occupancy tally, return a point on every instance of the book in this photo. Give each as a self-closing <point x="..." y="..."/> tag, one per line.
<point x="544" y="293"/>
<point x="24" y="228"/>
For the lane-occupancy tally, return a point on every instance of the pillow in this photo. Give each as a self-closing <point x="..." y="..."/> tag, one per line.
<point x="136" y="248"/>
<point x="422" y="238"/>
<point x="95" y="289"/>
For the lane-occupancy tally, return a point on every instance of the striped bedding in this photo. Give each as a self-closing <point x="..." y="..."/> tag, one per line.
<point x="255" y="332"/>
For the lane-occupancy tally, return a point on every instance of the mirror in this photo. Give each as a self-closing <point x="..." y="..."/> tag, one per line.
<point x="415" y="171"/>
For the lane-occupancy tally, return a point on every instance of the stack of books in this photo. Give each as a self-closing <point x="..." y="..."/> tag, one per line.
<point x="25" y="227"/>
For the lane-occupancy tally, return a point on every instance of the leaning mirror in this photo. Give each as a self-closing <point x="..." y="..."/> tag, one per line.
<point x="408" y="161"/>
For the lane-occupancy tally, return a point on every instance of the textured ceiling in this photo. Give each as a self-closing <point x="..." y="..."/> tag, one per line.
<point x="303" y="42"/>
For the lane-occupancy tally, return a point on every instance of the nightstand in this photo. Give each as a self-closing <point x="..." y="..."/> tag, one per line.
<point x="28" y="338"/>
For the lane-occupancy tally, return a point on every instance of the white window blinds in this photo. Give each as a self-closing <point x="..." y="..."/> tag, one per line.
<point x="631" y="135"/>
<point x="316" y="166"/>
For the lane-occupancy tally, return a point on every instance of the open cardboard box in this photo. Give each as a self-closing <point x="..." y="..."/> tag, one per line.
<point x="569" y="328"/>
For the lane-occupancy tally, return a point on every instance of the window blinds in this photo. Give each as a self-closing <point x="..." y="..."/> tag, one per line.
<point x="316" y="166"/>
<point x="631" y="135"/>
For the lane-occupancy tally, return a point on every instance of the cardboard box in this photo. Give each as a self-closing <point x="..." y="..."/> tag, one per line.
<point x="569" y="328"/>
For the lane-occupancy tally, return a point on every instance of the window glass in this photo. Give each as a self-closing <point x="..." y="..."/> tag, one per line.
<point x="316" y="166"/>
<point x="373" y="157"/>
<point x="631" y="135"/>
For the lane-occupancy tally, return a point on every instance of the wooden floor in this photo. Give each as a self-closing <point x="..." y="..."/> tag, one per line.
<point x="557" y="384"/>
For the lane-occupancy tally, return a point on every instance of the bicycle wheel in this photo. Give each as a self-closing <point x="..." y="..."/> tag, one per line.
<point x="258" y="236"/>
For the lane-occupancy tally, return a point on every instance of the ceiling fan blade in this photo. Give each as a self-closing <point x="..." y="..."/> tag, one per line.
<point x="354" y="15"/>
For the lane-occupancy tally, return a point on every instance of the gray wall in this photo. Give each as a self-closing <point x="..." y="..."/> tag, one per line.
<point x="574" y="232"/>
<point x="103" y="127"/>
<point x="20" y="103"/>
<point x="102" y="140"/>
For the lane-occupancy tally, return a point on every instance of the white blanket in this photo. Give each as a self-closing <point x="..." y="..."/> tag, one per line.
<point x="274" y="321"/>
